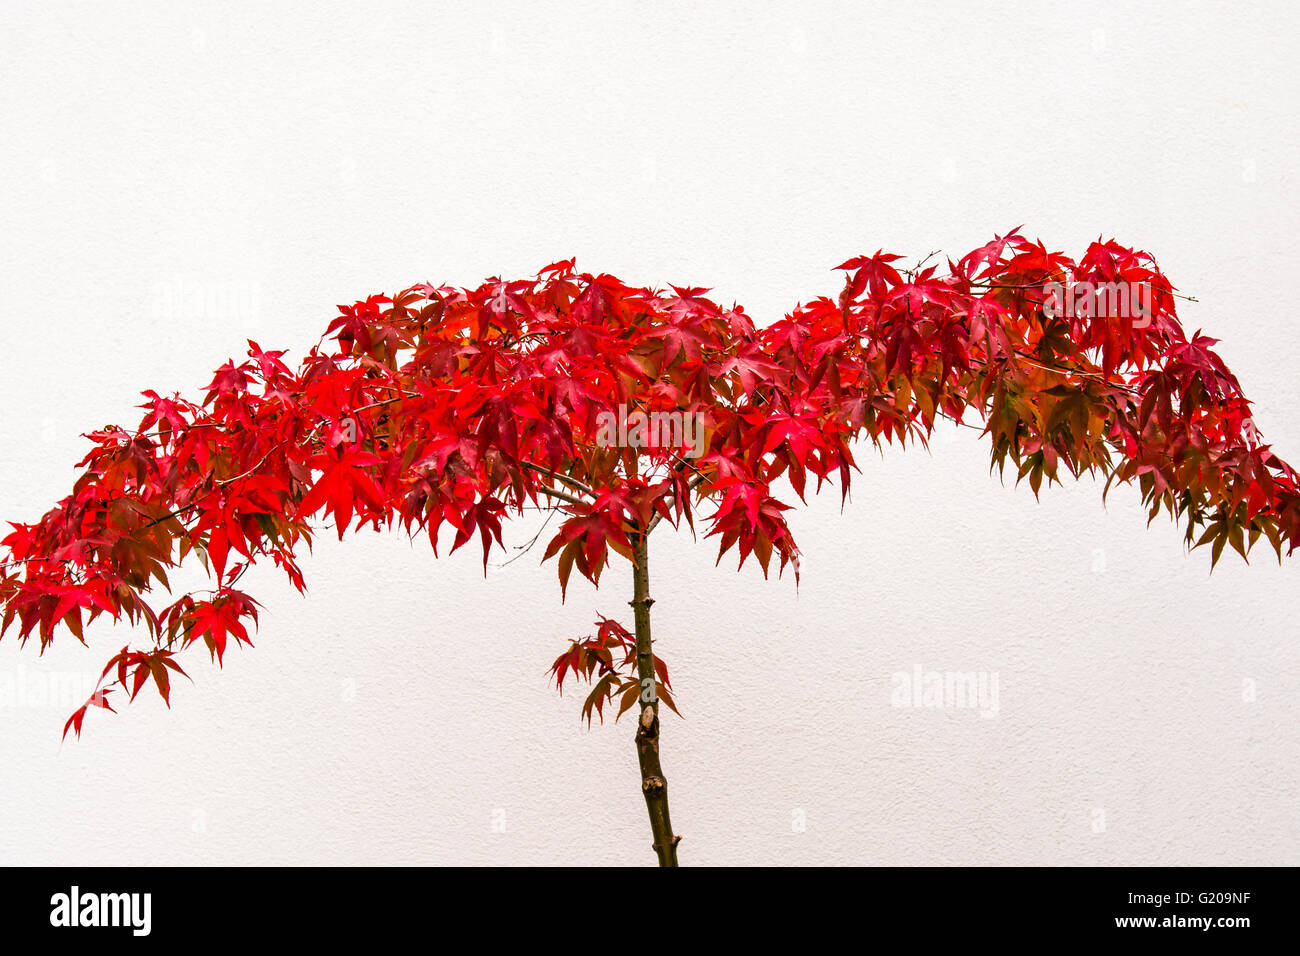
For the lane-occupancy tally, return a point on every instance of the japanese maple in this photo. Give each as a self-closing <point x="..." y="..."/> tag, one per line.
<point x="446" y="409"/>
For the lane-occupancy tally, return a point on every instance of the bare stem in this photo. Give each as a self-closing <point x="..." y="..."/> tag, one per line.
<point x="653" y="785"/>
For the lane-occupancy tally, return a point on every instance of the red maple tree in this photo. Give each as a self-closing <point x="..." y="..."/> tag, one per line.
<point x="456" y="407"/>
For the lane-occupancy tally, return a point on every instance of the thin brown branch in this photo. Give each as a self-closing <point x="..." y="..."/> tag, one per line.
<point x="556" y="476"/>
<point x="562" y="496"/>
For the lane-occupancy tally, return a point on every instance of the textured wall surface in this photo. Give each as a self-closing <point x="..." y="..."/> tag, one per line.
<point x="180" y="178"/>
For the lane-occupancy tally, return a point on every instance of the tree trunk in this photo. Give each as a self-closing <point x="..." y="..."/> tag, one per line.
<point x="653" y="784"/>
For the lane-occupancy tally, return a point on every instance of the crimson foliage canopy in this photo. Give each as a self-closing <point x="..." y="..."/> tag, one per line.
<point x="442" y="409"/>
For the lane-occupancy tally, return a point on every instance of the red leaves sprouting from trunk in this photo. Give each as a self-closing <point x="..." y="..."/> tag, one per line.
<point x="607" y="661"/>
<point x="619" y="407"/>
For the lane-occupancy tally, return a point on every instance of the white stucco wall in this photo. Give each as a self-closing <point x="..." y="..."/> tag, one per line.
<point x="177" y="179"/>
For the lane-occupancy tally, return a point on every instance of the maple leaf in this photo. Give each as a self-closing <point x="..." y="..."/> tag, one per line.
<point x="230" y="379"/>
<point x="216" y="620"/>
<point x="988" y="255"/>
<point x="873" y="273"/>
<point x="97" y="699"/>
<point x="345" y="480"/>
